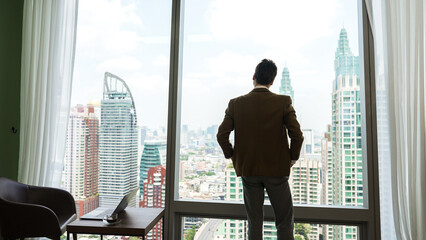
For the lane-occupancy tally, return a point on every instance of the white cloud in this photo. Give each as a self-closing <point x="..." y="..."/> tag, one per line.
<point x="305" y="72"/>
<point x="120" y="42"/>
<point x="231" y="62"/>
<point x="200" y="38"/>
<point x="120" y="64"/>
<point x="143" y="83"/>
<point x="228" y="72"/>
<point x="107" y="25"/>
<point x="111" y="13"/>
<point x="299" y="21"/>
<point x="155" y="39"/>
<point x="161" y="61"/>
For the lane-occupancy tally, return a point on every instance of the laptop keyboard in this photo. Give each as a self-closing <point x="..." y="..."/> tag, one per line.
<point x="105" y="213"/>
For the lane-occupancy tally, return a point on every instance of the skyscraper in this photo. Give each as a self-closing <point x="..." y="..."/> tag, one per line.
<point x="308" y="143"/>
<point x="237" y="229"/>
<point x="118" y="143"/>
<point x="286" y="88"/>
<point x="346" y="132"/>
<point x="143" y="135"/>
<point x="153" y="155"/>
<point x="328" y="169"/>
<point x="234" y="229"/>
<point x="327" y="178"/>
<point x="82" y="158"/>
<point x="306" y="185"/>
<point x="154" y="193"/>
<point x="305" y="179"/>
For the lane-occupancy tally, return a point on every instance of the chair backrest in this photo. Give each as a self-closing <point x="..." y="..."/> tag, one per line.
<point x="13" y="191"/>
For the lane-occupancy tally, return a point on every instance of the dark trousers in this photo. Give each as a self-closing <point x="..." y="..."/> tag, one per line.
<point x="280" y="196"/>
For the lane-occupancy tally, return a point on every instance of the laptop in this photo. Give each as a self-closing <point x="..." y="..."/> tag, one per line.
<point x="100" y="212"/>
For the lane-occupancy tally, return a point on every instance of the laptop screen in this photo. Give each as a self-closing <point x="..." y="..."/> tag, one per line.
<point x="125" y="201"/>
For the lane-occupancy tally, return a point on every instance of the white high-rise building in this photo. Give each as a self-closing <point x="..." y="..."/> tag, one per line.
<point x="305" y="180"/>
<point x="73" y="174"/>
<point x="80" y="175"/>
<point x="237" y="229"/>
<point x="306" y="185"/>
<point x="346" y="133"/>
<point x="327" y="162"/>
<point x="308" y="143"/>
<point x="234" y="229"/>
<point x="118" y="147"/>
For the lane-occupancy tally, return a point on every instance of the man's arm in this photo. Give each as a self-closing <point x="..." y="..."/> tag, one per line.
<point x="224" y="130"/>
<point x="294" y="132"/>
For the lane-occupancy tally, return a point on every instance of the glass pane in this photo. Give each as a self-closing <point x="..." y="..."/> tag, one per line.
<point x="213" y="228"/>
<point x="116" y="139"/>
<point x="317" y="55"/>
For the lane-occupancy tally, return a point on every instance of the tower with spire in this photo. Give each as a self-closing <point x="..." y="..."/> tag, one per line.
<point x="286" y="88"/>
<point x="347" y="172"/>
<point x="345" y="63"/>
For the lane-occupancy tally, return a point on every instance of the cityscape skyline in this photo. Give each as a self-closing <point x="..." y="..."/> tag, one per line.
<point x="215" y="67"/>
<point x="319" y="177"/>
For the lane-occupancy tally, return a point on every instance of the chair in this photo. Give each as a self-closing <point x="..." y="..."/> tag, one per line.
<point x="30" y="211"/>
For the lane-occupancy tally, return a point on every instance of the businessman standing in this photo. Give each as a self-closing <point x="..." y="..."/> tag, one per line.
<point x="261" y="154"/>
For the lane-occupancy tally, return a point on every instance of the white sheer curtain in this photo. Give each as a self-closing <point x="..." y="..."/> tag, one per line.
<point x="48" y="46"/>
<point x="398" y="29"/>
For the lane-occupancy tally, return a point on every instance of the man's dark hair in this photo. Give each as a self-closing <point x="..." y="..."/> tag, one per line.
<point x="265" y="72"/>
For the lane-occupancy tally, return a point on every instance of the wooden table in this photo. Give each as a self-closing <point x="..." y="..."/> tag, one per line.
<point x="134" y="222"/>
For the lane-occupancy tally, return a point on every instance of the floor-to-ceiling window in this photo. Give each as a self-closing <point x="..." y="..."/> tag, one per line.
<point x="117" y="129"/>
<point x="136" y="59"/>
<point x="322" y="52"/>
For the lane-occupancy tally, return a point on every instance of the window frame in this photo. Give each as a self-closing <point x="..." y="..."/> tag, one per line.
<point x="366" y="218"/>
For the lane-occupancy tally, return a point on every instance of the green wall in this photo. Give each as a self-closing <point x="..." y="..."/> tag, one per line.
<point x="11" y="12"/>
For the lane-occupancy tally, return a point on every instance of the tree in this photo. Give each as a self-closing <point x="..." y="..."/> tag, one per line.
<point x="190" y="233"/>
<point x="303" y="229"/>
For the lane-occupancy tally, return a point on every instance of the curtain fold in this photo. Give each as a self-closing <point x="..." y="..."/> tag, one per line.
<point x="398" y="29"/>
<point x="48" y="48"/>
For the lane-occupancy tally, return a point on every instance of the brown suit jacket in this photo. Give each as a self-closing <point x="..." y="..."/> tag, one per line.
<point x="261" y="120"/>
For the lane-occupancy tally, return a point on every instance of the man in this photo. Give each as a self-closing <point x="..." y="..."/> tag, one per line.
<point x="261" y="154"/>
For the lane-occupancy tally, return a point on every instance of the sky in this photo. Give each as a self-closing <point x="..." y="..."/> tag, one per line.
<point x="223" y="41"/>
